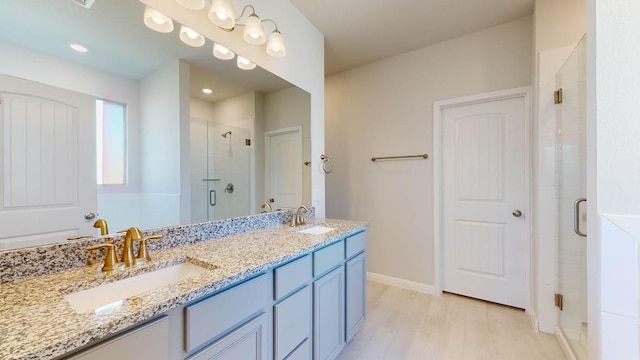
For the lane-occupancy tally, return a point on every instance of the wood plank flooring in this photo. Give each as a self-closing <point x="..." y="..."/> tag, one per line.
<point x="407" y="325"/>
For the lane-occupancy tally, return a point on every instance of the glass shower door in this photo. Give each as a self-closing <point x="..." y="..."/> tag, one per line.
<point x="220" y="171"/>
<point x="571" y="187"/>
<point x="228" y="162"/>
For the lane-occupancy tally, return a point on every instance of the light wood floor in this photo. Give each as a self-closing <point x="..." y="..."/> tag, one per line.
<point x="404" y="324"/>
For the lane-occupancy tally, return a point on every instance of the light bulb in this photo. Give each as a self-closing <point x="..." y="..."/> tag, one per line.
<point x="79" y="48"/>
<point x="191" y="34"/>
<point x="191" y="37"/>
<point x="222" y="52"/>
<point x="221" y="13"/>
<point x="245" y="64"/>
<point x="157" y="21"/>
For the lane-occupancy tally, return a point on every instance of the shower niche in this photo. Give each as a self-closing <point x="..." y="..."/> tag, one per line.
<point x="220" y="171"/>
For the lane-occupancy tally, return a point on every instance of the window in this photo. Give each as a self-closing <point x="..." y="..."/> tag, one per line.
<point x="111" y="142"/>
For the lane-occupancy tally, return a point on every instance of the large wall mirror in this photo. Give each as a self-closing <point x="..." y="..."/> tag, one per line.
<point x="163" y="152"/>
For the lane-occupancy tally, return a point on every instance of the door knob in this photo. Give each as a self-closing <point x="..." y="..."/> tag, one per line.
<point x="272" y="200"/>
<point x="517" y="213"/>
<point x="90" y="216"/>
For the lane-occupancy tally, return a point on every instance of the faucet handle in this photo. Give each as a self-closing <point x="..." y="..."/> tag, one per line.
<point x="110" y="261"/>
<point x="143" y="251"/>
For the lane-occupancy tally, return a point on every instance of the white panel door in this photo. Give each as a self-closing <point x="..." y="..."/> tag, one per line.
<point x="47" y="163"/>
<point x="284" y="167"/>
<point x="484" y="187"/>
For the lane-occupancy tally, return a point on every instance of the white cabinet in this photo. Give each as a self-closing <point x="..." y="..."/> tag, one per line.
<point x="356" y="294"/>
<point x="132" y="344"/>
<point x="248" y="342"/>
<point x="328" y="315"/>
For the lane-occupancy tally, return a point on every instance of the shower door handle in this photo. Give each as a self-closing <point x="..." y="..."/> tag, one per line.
<point x="212" y="198"/>
<point x="576" y="217"/>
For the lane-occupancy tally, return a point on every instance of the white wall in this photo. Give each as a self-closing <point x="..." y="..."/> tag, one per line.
<point x="613" y="156"/>
<point x="303" y="66"/>
<point x="287" y="108"/>
<point x="162" y="102"/>
<point x="386" y="108"/>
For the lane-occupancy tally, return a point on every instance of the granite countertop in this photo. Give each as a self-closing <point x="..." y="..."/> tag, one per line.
<point x="36" y="322"/>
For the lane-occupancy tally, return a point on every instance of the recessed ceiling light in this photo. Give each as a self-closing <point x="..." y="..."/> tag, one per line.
<point x="207" y="91"/>
<point x="79" y="48"/>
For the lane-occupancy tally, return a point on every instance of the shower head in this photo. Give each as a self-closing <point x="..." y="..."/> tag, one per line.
<point x="225" y="134"/>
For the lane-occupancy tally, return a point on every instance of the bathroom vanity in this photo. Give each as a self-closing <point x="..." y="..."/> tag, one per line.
<point x="273" y="293"/>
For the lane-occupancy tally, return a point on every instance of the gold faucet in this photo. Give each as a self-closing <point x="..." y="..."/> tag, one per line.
<point x="267" y="206"/>
<point x="102" y="225"/>
<point x="127" y="256"/>
<point x="297" y="218"/>
<point x="110" y="260"/>
<point x="143" y="253"/>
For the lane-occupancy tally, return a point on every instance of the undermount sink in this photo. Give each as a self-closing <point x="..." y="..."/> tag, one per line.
<point x="316" y="230"/>
<point x="110" y="295"/>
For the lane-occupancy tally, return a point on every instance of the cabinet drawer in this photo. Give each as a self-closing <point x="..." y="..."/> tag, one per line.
<point x="211" y="317"/>
<point x="303" y="352"/>
<point x="292" y="322"/>
<point x="325" y="259"/>
<point x="291" y="276"/>
<point x="133" y="344"/>
<point x="356" y="244"/>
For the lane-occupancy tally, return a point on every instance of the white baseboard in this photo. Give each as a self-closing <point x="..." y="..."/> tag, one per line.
<point x="565" y="345"/>
<point x="405" y="284"/>
<point x="534" y="320"/>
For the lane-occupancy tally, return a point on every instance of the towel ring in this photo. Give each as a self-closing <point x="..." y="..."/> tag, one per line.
<point x="325" y="161"/>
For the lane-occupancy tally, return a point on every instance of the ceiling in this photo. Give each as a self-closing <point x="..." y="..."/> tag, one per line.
<point x="120" y="43"/>
<point x="358" y="32"/>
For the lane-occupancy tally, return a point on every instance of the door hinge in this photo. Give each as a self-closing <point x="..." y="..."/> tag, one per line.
<point x="559" y="301"/>
<point x="557" y="96"/>
<point x="247" y="142"/>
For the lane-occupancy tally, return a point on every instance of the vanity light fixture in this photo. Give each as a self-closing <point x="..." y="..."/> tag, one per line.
<point x="192" y="4"/>
<point x="245" y="64"/>
<point x="275" y="45"/>
<point x="253" y="30"/>
<point x="207" y="91"/>
<point x="222" y="52"/>
<point x="155" y="20"/>
<point x="191" y="37"/>
<point x="79" y="48"/>
<point x="221" y="13"/>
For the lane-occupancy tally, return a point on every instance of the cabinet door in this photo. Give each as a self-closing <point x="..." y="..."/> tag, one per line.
<point x="291" y="322"/>
<point x="150" y="341"/>
<point x="328" y="315"/>
<point x="356" y="293"/>
<point x="248" y="342"/>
